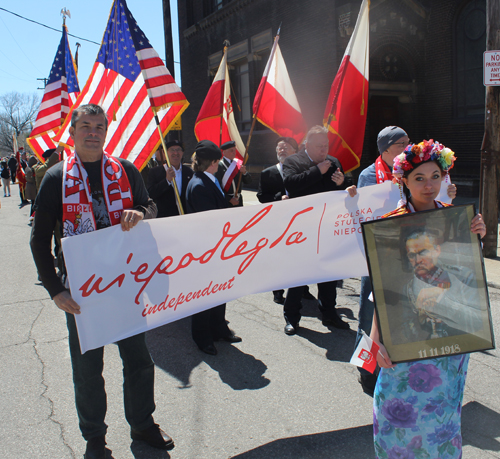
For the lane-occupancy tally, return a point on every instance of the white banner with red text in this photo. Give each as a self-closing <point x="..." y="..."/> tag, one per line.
<point x="170" y="268"/>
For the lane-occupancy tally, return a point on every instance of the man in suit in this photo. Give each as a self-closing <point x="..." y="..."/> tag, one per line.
<point x="205" y="193"/>
<point x="312" y="171"/>
<point x="228" y="176"/>
<point x="161" y="181"/>
<point x="272" y="187"/>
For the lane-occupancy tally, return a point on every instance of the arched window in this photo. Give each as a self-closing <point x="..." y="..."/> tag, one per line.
<point x="470" y="44"/>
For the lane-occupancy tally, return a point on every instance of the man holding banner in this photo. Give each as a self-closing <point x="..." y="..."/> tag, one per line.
<point x="312" y="171"/>
<point x="99" y="191"/>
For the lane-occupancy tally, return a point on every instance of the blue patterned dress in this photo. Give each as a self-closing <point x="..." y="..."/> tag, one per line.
<point x="417" y="408"/>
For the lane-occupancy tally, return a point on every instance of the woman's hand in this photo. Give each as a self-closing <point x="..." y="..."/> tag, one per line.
<point x="383" y="358"/>
<point x="451" y="191"/>
<point x="477" y="226"/>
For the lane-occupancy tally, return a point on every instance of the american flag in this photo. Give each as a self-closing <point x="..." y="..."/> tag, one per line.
<point x="60" y="94"/>
<point x="128" y="81"/>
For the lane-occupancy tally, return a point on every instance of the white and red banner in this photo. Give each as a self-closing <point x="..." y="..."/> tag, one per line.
<point x="345" y="112"/>
<point x="365" y="354"/>
<point x="137" y="280"/>
<point x="275" y="104"/>
<point x="216" y="121"/>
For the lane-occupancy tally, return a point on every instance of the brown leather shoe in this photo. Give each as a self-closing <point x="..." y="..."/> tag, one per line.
<point x="96" y="448"/>
<point x="153" y="436"/>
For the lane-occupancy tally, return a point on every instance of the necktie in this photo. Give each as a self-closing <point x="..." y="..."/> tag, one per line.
<point x="218" y="186"/>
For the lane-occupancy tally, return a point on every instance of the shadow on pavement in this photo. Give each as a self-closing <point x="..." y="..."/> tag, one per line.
<point x="236" y="369"/>
<point x="339" y="344"/>
<point x="354" y="443"/>
<point x="480" y="427"/>
<point x="142" y="451"/>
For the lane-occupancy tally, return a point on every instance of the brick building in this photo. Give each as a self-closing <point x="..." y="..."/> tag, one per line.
<point x="425" y="67"/>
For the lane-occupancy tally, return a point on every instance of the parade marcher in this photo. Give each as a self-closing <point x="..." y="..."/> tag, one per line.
<point x="5" y="175"/>
<point x="417" y="405"/>
<point x="204" y="193"/>
<point x="228" y="177"/>
<point x="391" y="142"/>
<point x="160" y="181"/>
<point x="12" y="163"/>
<point x="307" y="172"/>
<point x="52" y="156"/>
<point x="30" y="190"/>
<point x="272" y="187"/>
<point x="85" y="207"/>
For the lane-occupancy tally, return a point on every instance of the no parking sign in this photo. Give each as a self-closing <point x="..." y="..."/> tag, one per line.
<point x="491" y="72"/>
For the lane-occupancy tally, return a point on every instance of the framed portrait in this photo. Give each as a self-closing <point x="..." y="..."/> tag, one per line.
<point x="429" y="284"/>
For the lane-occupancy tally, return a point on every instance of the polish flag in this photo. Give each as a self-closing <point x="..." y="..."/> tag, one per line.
<point x="275" y="104"/>
<point x="365" y="355"/>
<point x="345" y="112"/>
<point x="215" y="121"/>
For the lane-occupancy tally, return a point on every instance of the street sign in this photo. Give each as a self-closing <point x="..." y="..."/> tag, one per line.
<point x="491" y="69"/>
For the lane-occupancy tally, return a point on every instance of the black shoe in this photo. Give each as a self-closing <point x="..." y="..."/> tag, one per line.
<point x="154" y="437"/>
<point x="291" y="329"/>
<point x="279" y="298"/>
<point x="307" y="295"/>
<point x="96" y="448"/>
<point x="232" y="338"/>
<point x="336" y="322"/>
<point x="209" y="349"/>
<point x="368" y="382"/>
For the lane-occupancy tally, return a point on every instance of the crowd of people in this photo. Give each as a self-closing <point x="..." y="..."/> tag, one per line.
<point x="167" y="187"/>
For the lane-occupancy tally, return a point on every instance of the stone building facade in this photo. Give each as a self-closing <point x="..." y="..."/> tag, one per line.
<point x="425" y="67"/>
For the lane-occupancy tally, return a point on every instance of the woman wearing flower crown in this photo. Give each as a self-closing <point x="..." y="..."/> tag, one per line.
<point x="417" y="405"/>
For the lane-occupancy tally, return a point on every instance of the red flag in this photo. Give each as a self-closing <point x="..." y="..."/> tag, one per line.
<point x="215" y="121"/>
<point x="365" y="355"/>
<point x="275" y="104"/>
<point x="129" y="80"/>
<point x="60" y="94"/>
<point x="345" y="112"/>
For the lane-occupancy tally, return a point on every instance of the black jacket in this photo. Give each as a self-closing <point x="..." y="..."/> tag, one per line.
<point x="302" y="177"/>
<point x="163" y="194"/>
<point x="202" y="194"/>
<point x="271" y="186"/>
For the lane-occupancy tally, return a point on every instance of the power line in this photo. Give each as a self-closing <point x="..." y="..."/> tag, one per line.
<point x="48" y="27"/>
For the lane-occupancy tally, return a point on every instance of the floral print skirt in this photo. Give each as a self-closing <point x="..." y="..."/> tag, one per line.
<point x="417" y="408"/>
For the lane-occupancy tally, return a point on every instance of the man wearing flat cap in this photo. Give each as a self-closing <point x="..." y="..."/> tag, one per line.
<point x="228" y="175"/>
<point x="205" y="193"/>
<point x="161" y="181"/>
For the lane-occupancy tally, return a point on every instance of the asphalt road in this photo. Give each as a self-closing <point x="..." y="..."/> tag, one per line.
<point x="271" y="396"/>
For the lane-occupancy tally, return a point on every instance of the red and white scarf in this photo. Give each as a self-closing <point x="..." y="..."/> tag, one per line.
<point x="230" y="174"/>
<point x="382" y="170"/>
<point x="78" y="216"/>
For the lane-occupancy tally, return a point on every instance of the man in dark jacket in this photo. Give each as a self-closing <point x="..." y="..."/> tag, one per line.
<point x="162" y="180"/>
<point x="312" y="171"/>
<point x="85" y="206"/>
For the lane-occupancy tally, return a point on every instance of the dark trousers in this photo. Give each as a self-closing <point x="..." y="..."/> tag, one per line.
<point x="327" y="297"/>
<point x="90" y="395"/>
<point x="209" y="326"/>
<point x="365" y="316"/>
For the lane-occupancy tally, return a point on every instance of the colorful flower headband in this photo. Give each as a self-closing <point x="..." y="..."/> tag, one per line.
<point x="414" y="154"/>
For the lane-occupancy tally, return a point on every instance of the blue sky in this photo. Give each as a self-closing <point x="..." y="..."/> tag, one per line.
<point x="27" y="50"/>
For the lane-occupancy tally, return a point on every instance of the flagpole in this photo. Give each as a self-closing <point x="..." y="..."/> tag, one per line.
<point x="254" y="119"/>
<point x="174" y="182"/>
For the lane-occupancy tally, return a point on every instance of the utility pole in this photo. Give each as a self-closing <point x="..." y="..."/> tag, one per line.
<point x="490" y="149"/>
